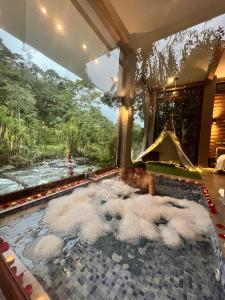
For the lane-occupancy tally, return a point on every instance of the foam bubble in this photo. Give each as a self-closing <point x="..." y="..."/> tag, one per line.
<point x="133" y="228"/>
<point x="169" y="236"/>
<point x="48" y="246"/>
<point x="84" y="211"/>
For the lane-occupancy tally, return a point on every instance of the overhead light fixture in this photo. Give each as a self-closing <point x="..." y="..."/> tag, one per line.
<point x="84" y="46"/>
<point x="43" y="10"/>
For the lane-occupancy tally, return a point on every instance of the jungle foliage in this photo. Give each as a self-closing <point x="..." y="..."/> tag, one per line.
<point x="43" y="115"/>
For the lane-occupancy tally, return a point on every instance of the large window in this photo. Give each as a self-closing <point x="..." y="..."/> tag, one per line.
<point x="54" y="73"/>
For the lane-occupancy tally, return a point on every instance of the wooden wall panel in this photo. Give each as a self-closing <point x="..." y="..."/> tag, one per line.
<point x="218" y="126"/>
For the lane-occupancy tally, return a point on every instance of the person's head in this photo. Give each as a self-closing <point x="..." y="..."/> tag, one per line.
<point x="139" y="167"/>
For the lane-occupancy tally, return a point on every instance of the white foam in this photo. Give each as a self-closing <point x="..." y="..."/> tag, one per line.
<point x="183" y="228"/>
<point x="94" y="229"/>
<point x="84" y="211"/>
<point x="169" y="236"/>
<point x="48" y="246"/>
<point x="133" y="228"/>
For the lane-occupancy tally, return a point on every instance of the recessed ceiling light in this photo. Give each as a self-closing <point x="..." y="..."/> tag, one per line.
<point x="84" y="46"/>
<point x="59" y="27"/>
<point x="43" y="10"/>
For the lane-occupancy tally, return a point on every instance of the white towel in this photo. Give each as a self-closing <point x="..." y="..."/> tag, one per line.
<point x="221" y="192"/>
<point x="220" y="164"/>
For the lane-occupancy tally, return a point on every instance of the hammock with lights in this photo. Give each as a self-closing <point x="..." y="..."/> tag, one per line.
<point x="169" y="148"/>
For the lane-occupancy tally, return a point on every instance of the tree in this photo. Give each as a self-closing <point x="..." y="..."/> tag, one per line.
<point x="44" y="115"/>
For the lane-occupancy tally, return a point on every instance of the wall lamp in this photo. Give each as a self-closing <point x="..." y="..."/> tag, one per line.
<point x="214" y="121"/>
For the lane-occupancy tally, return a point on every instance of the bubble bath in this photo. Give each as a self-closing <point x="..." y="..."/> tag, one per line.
<point x="104" y="233"/>
<point x="113" y="207"/>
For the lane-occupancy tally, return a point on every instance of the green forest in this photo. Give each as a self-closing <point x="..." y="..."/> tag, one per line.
<point x="43" y="116"/>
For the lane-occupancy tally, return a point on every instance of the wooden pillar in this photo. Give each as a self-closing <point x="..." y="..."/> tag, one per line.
<point x="206" y="122"/>
<point x="149" y="107"/>
<point x="126" y="93"/>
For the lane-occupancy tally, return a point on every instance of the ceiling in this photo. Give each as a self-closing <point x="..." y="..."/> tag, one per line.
<point x="137" y="23"/>
<point x="60" y="34"/>
<point x="151" y="20"/>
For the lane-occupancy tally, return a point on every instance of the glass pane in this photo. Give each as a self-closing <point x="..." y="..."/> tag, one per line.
<point x="167" y="67"/>
<point x="54" y="71"/>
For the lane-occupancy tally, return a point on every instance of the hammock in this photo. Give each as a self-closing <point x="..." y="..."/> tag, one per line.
<point x="167" y="136"/>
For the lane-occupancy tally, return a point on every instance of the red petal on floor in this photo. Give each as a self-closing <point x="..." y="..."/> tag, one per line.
<point x="4" y="246"/>
<point x="213" y="211"/>
<point x="5" y="206"/>
<point x="14" y="269"/>
<point x="222" y="236"/>
<point x="28" y="289"/>
<point x="221" y="226"/>
<point x="20" y="277"/>
<point x="21" y="201"/>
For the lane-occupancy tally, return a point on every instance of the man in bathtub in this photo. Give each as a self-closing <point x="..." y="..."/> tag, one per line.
<point x="137" y="176"/>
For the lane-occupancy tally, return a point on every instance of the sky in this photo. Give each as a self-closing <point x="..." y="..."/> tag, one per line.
<point x="17" y="46"/>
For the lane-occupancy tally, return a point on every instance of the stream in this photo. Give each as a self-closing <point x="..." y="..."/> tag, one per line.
<point x="40" y="173"/>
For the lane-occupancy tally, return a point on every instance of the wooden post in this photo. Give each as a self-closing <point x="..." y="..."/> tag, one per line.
<point x="206" y="122"/>
<point x="126" y="94"/>
<point x="149" y="107"/>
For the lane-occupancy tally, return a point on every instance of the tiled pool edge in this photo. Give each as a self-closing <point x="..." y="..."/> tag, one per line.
<point x="220" y="260"/>
<point x="38" y="291"/>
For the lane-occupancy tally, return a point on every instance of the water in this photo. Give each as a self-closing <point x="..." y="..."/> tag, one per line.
<point x="111" y="269"/>
<point x="37" y="174"/>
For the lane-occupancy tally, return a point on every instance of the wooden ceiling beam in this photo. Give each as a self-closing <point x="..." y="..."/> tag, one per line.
<point x="186" y="85"/>
<point x="112" y="22"/>
<point x="83" y="13"/>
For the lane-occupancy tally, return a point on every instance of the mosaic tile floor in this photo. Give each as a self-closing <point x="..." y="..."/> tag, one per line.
<point x="111" y="269"/>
